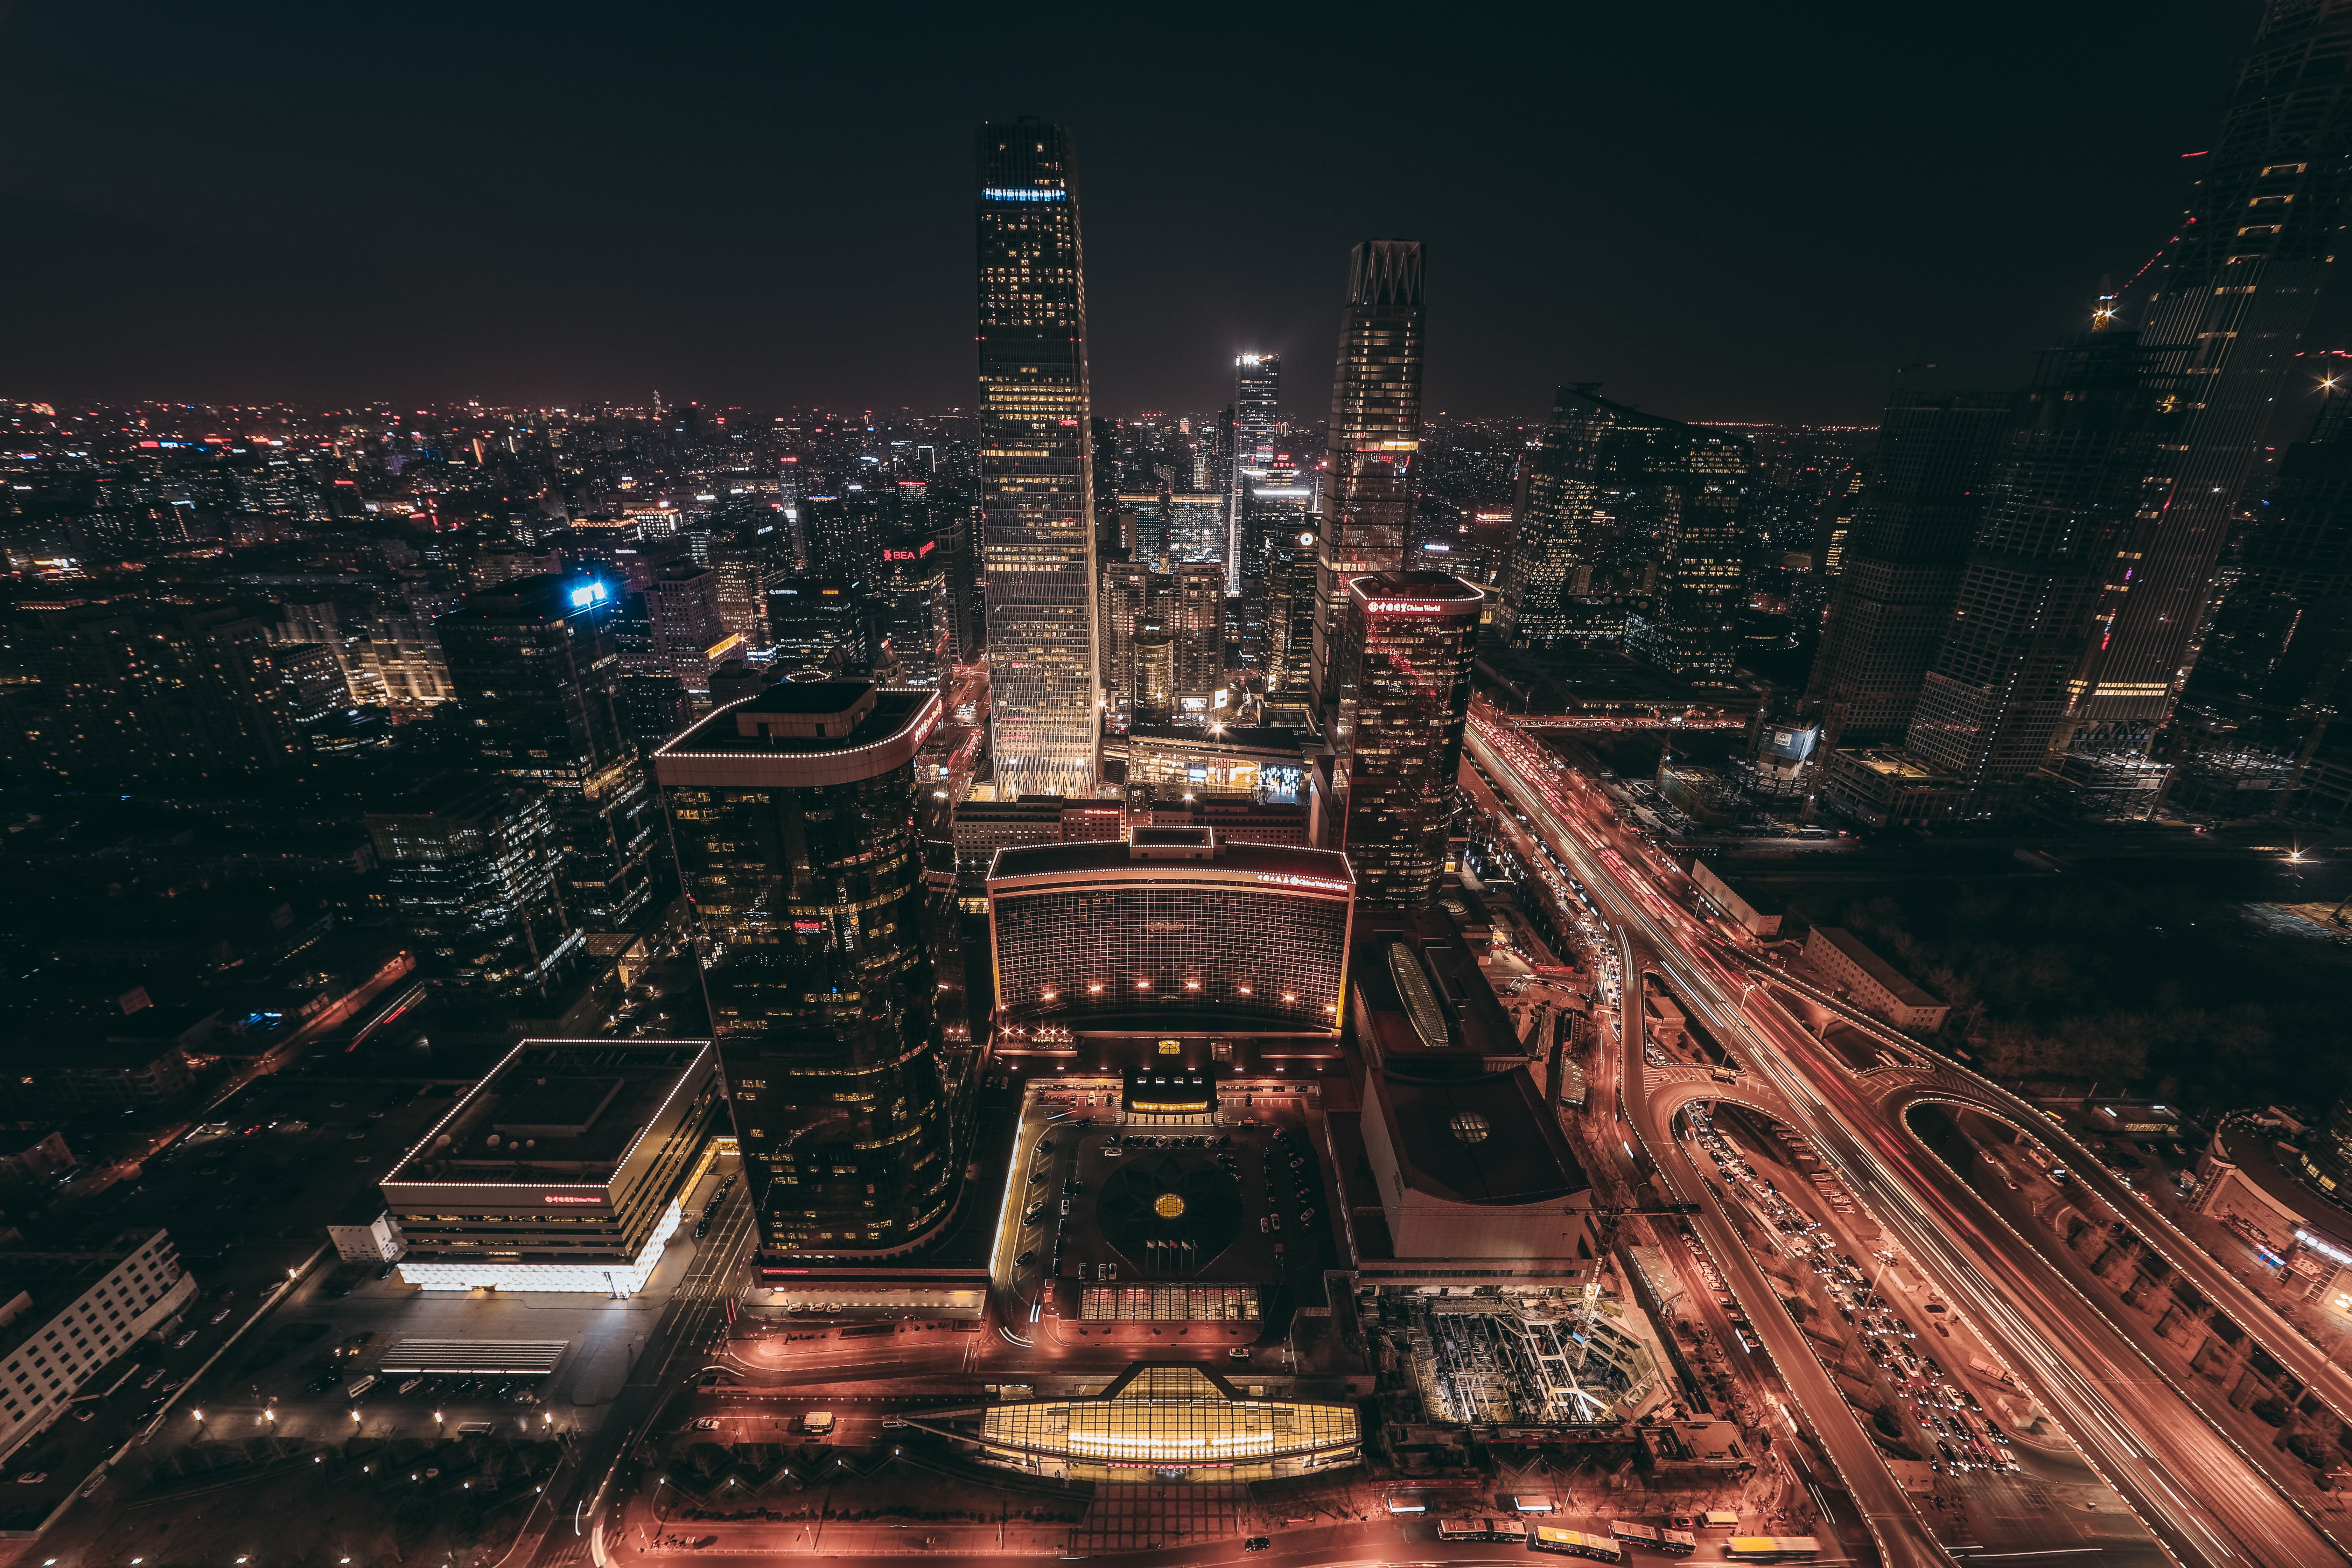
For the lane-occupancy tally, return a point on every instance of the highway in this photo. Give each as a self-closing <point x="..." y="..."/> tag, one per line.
<point x="2186" y="1480"/>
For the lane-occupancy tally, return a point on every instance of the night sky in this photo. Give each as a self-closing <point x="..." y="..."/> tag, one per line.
<point x="1735" y="212"/>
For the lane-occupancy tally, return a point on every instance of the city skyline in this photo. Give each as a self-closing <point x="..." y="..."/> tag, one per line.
<point x="458" y="297"/>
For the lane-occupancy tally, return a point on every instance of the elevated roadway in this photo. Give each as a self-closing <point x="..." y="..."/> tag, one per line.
<point x="2202" y="1496"/>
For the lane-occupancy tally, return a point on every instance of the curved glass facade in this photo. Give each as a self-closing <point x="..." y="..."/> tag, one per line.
<point x="809" y="901"/>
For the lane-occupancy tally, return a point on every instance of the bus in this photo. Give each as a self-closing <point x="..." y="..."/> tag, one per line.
<point x="1772" y="1548"/>
<point x="1674" y="1543"/>
<point x="1480" y="1530"/>
<point x="1574" y="1544"/>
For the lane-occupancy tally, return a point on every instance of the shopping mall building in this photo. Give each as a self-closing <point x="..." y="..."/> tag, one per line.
<point x="562" y="1169"/>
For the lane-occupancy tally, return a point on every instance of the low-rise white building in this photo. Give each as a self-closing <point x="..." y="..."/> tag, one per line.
<point x="1877" y="984"/>
<point x="64" y="1315"/>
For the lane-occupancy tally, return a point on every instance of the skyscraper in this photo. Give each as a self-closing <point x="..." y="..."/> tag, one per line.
<point x="1287" y="634"/>
<point x="538" y="677"/>
<point x="1608" y="473"/>
<point x="2237" y="291"/>
<point x="1194" y="612"/>
<point x="2084" y="460"/>
<point x="1124" y="601"/>
<point x="1257" y="404"/>
<point x="1903" y="563"/>
<point x="1409" y="640"/>
<point x="1374" y="443"/>
<point x="2280" y="642"/>
<point x="795" y="820"/>
<point x="469" y="867"/>
<point x="1036" y="462"/>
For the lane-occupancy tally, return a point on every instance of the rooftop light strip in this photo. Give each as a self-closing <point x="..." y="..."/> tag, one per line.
<point x="1013" y="193"/>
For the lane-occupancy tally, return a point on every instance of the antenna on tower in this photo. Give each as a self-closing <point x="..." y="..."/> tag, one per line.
<point x="2103" y="315"/>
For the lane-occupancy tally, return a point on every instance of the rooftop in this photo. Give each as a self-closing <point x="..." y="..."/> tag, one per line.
<point x="557" y="1110"/>
<point x="1115" y="857"/>
<point x="1477" y="1137"/>
<point x="1902" y="986"/>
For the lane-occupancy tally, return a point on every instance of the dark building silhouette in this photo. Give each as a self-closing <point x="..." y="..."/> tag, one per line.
<point x="1902" y="563"/>
<point x="538" y="674"/>
<point x="1610" y="483"/>
<point x="2232" y="300"/>
<point x="793" y="815"/>
<point x="470" y="870"/>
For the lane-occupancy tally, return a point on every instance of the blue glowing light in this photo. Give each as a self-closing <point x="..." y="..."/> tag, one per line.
<point x="593" y="594"/>
<point x="1004" y="193"/>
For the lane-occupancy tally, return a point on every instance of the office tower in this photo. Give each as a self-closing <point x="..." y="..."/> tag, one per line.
<point x="1606" y="475"/>
<point x="469" y="867"/>
<point x="1196" y="529"/>
<point x="2086" y="457"/>
<point x="655" y="704"/>
<point x="745" y="572"/>
<point x="1036" y="496"/>
<point x="2236" y="292"/>
<point x="1289" y="638"/>
<point x="787" y="498"/>
<point x="1257" y="406"/>
<point x="689" y="635"/>
<point x="913" y="590"/>
<point x="1193" y="612"/>
<point x="2275" y="656"/>
<point x="1375" y="439"/>
<point x="1411" y="639"/>
<point x="960" y="583"/>
<point x="154" y="693"/>
<point x="1921" y="499"/>
<point x="1143" y="519"/>
<point x="794" y="821"/>
<point x="846" y="536"/>
<point x="821" y="625"/>
<point x="1123" y="602"/>
<point x="536" y="667"/>
<point x="1154" y="677"/>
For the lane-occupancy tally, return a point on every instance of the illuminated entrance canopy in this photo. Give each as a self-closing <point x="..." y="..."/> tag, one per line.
<point x="1177" y="1419"/>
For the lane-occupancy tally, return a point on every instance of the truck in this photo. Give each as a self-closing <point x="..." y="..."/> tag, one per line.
<point x="357" y="1388"/>
<point x="817" y="1422"/>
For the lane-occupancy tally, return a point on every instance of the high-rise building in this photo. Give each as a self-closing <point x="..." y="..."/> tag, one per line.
<point x="689" y="633"/>
<point x="1193" y="611"/>
<point x="794" y="815"/>
<point x="1124" y="601"/>
<point x="1411" y="640"/>
<point x="1289" y="634"/>
<point x="537" y="670"/>
<point x="2085" y="458"/>
<point x="469" y="867"/>
<point x="1036" y="498"/>
<point x="1154" y="679"/>
<point x="2276" y="657"/>
<point x="1257" y="408"/>
<point x="154" y="693"/>
<point x="1374" y="444"/>
<point x="1607" y="469"/>
<point x="1920" y="502"/>
<point x="2236" y="292"/>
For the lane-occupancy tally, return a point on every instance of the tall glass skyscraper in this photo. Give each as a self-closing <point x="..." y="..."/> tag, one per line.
<point x="793" y="817"/>
<point x="1036" y="470"/>
<point x="538" y="673"/>
<point x="1257" y="404"/>
<point x="2236" y="293"/>
<point x="1411" y="639"/>
<point x="2084" y="460"/>
<point x="1374" y="445"/>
